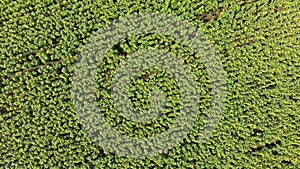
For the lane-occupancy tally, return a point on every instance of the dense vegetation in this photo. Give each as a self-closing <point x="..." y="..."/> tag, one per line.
<point x="257" y="42"/>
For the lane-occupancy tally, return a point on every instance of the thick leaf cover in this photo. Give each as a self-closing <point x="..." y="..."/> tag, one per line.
<point x="257" y="43"/>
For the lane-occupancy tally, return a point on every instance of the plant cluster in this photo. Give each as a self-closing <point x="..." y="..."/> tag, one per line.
<point x="257" y="42"/>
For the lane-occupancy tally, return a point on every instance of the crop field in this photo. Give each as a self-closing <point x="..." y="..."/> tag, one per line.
<point x="247" y="84"/>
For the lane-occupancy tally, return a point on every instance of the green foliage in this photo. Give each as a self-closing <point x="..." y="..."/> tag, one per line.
<point x="257" y="41"/>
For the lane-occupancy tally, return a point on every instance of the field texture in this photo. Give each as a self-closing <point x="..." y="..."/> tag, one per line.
<point x="258" y="46"/>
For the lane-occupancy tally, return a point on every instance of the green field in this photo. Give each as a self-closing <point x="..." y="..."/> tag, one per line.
<point x="257" y="43"/>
